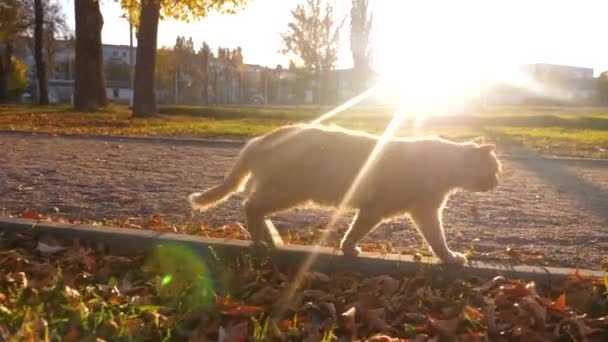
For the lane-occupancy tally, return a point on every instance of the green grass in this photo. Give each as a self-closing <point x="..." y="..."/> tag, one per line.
<point x="569" y="132"/>
<point x="559" y="141"/>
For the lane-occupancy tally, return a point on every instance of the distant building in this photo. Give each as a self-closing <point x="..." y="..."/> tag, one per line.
<point x="543" y="83"/>
<point x="61" y="69"/>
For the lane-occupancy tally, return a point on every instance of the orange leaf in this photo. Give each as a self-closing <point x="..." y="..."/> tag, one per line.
<point x="225" y="302"/>
<point x="244" y="311"/>
<point x="72" y="336"/>
<point x="473" y="313"/>
<point x="88" y="260"/>
<point x="286" y="324"/>
<point x="474" y="334"/>
<point x="32" y="215"/>
<point x="560" y="303"/>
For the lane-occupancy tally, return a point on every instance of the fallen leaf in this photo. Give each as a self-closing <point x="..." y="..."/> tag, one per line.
<point x="445" y="327"/>
<point x="31" y="215"/>
<point x="560" y="303"/>
<point x="512" y="253"/>
<point x="72" y="336"/>
<point x="244" y="311"/>
<point x="348" y="318"/>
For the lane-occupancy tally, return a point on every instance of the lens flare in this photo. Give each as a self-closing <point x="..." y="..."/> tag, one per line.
<point x="182" y="275"/>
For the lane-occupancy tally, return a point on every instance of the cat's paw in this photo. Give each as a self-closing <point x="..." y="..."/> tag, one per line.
<point x="351" y="250"/>
<point x="456" y="259"/>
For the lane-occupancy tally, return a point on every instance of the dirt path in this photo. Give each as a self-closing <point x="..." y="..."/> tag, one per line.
<point x="558" y="208"/>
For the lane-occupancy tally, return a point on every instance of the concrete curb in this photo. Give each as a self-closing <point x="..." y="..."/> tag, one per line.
<point x="228" y="143"/>
<point x="129" y="241"/>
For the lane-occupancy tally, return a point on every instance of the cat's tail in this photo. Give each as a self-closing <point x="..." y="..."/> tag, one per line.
<point x="233" y="182"/>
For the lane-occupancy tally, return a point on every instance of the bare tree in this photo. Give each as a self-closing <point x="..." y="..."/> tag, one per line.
<point x="361" y="20"/>
<point x="43" y="93"/>
<point x="313" y="37"/>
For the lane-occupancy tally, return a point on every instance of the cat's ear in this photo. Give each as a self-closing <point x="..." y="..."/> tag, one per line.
<point x="478" y="140"/>
<point x="486" y="148"/>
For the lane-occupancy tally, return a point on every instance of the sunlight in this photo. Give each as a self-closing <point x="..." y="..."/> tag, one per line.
<point x="346" y="105"/>
<point x="388" y="133"/>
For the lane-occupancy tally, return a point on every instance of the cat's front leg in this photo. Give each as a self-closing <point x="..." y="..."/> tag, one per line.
<point x="364" y="222"/>
<point x="429" y="224"/>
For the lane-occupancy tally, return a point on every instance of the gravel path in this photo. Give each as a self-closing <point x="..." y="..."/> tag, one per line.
<point x="558" y="208"/>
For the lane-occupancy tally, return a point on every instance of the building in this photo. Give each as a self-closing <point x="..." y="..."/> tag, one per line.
<point x="61" y="69"/>
<point x="543" y="83"/>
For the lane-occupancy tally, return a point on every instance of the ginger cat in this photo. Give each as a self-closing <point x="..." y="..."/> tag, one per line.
<point x="302" y="163"/>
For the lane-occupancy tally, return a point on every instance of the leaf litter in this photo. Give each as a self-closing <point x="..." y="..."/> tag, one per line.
<point x="52" y="290"/>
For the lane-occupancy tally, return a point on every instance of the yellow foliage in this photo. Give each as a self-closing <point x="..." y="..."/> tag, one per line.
<point x="184" y="10"/>
<point x="17" y="82"/>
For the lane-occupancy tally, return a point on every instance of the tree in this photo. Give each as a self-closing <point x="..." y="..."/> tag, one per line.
<point x="18" y="82"/>
<point x="360" y="27"/>
<point x="55" y="25"/>
<point x="165" y="73"/>
<point x="146" y="15"/>
<point x="313" y="37"/>
<point x="602" y="88"/>
<point x="43" y="93"/>
<point x="205" y="55"/>
<point x="236" y="58"/>
<point x="16" y="17"/>
<point x="184" y="69"/>
<point x="89" y="82"/>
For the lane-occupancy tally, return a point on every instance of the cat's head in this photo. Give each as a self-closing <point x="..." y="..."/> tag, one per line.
<point x="480" y="169"/>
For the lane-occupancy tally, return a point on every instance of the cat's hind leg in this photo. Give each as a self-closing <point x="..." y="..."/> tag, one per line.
<point x="362" y="224"/>
<point x="260" y="204"/>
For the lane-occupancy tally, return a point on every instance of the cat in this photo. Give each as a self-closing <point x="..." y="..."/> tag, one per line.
<point x="305" y="163"/>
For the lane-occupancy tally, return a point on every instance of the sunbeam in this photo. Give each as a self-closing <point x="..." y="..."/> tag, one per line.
<point x="355" y="100"/>
<point x="346" y="105"/>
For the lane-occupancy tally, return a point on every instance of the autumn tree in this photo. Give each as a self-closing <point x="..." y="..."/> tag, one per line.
<point x="165" y="73"/>
<point x="17" y="20"/>
<point x="313" y="36"/>
<point x="146" y="15"/>
<point x="361" y="20"/>
<point x="89" y="81"/>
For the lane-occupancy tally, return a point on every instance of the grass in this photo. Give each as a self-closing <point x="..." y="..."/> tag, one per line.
<point x="569" y="132"/>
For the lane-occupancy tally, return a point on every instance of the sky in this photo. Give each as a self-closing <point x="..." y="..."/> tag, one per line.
<point x="421" y="37"/>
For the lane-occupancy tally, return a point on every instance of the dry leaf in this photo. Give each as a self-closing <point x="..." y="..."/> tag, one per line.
<point x="446" y="328"/>
<point x="348" y="318"/>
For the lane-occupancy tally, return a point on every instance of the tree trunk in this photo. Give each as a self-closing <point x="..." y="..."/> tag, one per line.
<point x="6" y="70"/>
<point x="144" y="97"/>
<point x="43" y="94"/>
<point x="361" y="70"/>
<point x="89" y="80"/>
<point x="205" y="89"/>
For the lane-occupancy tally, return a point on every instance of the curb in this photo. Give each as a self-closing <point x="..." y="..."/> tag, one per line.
<point x="123" y="240"/>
